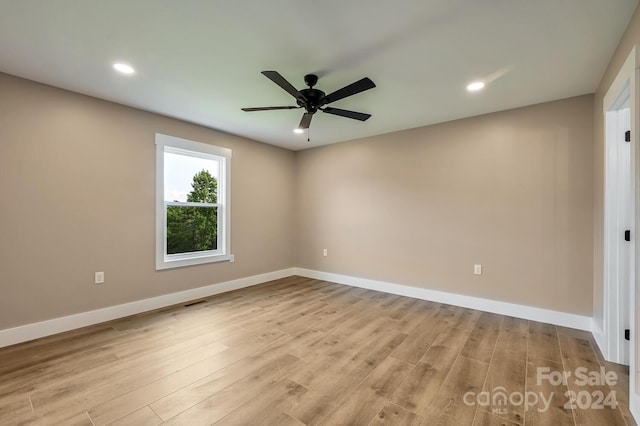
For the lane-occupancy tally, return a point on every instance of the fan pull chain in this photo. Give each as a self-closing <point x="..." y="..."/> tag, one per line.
<point x="309" y="134"/>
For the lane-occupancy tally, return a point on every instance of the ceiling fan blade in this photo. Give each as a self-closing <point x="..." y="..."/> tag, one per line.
<point x="306" y="121"/>
<point x="346" y="113"/>
<point x="269" y="108"/>
<point x="282" y="82"/>
<point x="351" y="89"/>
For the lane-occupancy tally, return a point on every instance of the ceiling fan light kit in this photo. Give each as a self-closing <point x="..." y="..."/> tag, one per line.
<point x="314" y="100"/>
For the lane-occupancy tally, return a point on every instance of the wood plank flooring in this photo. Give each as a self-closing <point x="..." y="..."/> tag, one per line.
<point x="298" y="351"/>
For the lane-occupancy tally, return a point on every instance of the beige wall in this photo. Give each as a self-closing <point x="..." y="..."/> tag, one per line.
<point x="630" y="38"/>
<point x="512" y="191"/>
<point x="77" y="184"/>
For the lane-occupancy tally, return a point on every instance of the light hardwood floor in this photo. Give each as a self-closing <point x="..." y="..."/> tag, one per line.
<point x="299" y="351"/>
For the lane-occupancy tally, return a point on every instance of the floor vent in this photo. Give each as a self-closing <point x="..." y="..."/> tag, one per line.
<point x="195" y="303"/>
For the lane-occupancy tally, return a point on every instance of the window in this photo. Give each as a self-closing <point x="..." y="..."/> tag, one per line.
<point x="192" y="202"/>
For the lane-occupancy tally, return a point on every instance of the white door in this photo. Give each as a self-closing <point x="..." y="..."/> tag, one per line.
<point x="621" y="266"/>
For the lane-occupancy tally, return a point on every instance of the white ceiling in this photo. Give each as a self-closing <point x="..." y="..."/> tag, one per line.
<point x="200" y="60"/>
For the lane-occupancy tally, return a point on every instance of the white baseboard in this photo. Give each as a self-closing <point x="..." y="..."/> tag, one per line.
<point x="503" y="308"/>
<point x="27" y="332"/>
<point x="58" y="325"/>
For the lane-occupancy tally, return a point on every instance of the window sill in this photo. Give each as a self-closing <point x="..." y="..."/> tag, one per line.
<point x="190" y="261"/>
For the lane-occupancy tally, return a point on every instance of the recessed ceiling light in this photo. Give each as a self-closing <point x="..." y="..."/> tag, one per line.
<point x="475" y="86"/>
<point x="124" y="68"/>
<point x="298" y="131"/>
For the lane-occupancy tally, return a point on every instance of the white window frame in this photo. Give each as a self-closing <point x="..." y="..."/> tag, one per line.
<point x="166" y="143"/>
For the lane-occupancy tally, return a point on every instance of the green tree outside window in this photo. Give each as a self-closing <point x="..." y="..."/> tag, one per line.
<point x="192" y="229"/>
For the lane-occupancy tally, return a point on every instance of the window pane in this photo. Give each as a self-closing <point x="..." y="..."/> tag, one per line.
<point x="192" y="179"/>
<point x="191" y="229"/>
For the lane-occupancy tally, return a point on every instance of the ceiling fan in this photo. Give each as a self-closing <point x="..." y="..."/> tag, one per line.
<point x="314" y="100"/>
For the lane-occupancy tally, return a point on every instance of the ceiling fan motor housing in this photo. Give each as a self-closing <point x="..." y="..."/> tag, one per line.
<point x="313" y="97"/>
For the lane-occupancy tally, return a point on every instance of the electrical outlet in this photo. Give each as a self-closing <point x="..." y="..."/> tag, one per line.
<point x="477" y="269"/>
<point x="99" y="278"/>
<point x="325" y="252"/>
<point x="232" y="258"/>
